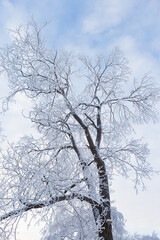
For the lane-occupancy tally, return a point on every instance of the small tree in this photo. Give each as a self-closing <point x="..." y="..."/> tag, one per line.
<point x="84" y="135"/>
<point x="143" y="237"/>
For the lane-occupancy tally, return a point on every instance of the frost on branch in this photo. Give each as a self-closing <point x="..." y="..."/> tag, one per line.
<point x="82" y="136"/>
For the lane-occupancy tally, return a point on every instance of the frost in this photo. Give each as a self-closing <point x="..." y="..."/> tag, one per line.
<point x="63" y="172"/>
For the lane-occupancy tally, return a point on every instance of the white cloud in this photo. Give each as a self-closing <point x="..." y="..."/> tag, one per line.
<point x="140" y="61"/>
<point x="15" y="14"/>
<point x="106" y="14"/>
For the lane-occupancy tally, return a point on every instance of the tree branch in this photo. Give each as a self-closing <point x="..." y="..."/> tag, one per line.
<point x="41" y="204"/>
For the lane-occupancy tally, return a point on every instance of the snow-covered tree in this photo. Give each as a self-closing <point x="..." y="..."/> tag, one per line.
<point x="143" y="237"/>
<point x="84" y="111"/>
<point x="119" y="229"/>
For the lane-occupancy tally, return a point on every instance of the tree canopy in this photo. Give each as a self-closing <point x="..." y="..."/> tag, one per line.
<point x="84" y="110"/>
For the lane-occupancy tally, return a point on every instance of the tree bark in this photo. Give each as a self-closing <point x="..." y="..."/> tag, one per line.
<point x="105" y="231"/>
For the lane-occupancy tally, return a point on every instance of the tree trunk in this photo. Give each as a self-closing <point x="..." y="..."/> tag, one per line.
<point x="105" y="231"/>
<point x="106" y="234"/>
<point x="103" y="221"/>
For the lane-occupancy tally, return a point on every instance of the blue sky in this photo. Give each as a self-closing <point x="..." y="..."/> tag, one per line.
<point x="93" y="26"/>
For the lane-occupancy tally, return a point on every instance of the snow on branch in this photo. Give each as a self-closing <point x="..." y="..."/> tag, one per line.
<point x="36" y="205"/>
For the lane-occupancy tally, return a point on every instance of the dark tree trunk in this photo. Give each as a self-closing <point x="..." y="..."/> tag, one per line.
<point x="105" y="231"/>
<point x="103" y="220"/>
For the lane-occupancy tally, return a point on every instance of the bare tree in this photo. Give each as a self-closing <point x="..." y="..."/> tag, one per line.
<point x="85" y="134"/>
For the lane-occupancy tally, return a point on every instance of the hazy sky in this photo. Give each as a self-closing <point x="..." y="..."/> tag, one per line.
<point x="93" y="26"/>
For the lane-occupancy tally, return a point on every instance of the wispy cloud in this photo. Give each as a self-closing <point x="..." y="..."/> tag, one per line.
<point x="105" y="14"/>
<point x="15" y="14"/>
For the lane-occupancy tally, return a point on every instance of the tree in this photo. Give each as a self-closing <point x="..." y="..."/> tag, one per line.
<point x="144" y="237"/>
<point x="83" y="135"/>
